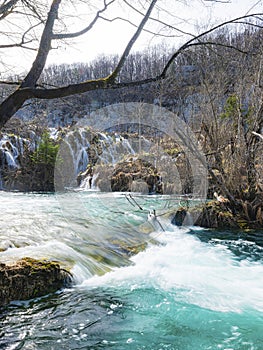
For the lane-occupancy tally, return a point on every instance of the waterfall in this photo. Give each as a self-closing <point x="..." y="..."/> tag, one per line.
<point x="9" y="152"/>
<point x="78" y="144"/>
<point x="12" y="147"/>
<point x="114" y="148"/>
<point x="89" y="183"/>
<point x="81" y="147"/>
<point x="105" y="149"/>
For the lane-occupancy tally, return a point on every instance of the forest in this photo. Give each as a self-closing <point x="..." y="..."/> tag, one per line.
<point x="213" y="82"/>
<point x="215" y="89"/>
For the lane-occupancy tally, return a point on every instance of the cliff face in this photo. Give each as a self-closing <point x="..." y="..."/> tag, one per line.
<point x="29" y="278"/>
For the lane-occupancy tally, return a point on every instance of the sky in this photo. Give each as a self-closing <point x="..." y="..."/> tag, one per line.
<point x="111" y="38"/>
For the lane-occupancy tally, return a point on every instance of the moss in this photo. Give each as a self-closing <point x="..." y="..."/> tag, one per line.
<point x="220" y="216"/>
<point x="35" y="264"/>
<point x="129" y="249"/>
<point x="29" y="278"/>
<point x="173" y="152"/>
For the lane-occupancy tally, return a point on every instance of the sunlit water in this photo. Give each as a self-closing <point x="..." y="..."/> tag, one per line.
<point x="186" y="288"/>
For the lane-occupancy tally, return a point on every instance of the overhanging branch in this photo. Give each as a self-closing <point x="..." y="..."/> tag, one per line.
<point x="198" y="37"/>
<point x="8" y="6"/>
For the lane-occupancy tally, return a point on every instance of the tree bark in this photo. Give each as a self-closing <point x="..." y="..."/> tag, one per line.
<point x="44" y="47"/>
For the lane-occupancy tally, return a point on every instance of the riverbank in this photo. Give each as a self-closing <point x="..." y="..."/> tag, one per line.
<point x="215" y="215"/>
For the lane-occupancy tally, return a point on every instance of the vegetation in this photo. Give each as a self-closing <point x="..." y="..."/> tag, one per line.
<point x="46" y="152"/>
<point x="213" y="81"/>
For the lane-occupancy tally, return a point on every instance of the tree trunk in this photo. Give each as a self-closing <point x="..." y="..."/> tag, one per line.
<point x="12" y="104"/>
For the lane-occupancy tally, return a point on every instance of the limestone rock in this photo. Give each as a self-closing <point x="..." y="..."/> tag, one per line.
<point x="29" y="278"/>
<point x="134" y="170"/>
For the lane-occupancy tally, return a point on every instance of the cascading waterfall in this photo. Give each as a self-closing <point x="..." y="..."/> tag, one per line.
<point x="12" y="148"/>
<point x="78" y="144"/>
<point x="106" y="149"/>
<point x="114" y="148"/>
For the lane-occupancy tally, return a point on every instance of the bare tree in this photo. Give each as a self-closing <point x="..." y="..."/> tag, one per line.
<point x="28" y="88"/>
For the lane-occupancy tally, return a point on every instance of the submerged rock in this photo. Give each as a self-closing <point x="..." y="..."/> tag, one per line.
<point x="29" y="278"/>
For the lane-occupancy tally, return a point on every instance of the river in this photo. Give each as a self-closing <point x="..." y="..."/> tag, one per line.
<point x="186" y="288"/>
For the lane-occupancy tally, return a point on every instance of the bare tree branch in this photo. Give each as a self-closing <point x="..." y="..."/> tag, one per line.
<point x="221" y="1"/>
<point x="135" y="25"/>
<point x="21" y="44"/>
<point x="29" y="88"/>
<point x="23" y="41"/>
<point x="85" y="30"/>
<point x="33" y="8"/>
<point x="6" y="7"/>
<point x="257" y="134"/>
<point x="128" y="48"/>
<point x="44" y="47"/>
<point x="198" y="37"/>
<point x="4" y="82"/>
<point x="158" y="20"/>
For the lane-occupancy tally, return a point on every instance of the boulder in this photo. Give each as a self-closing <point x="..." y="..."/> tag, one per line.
<point x="136" y="170"/>
<point x="29" y="278"/>
<point x="209" y="215"/>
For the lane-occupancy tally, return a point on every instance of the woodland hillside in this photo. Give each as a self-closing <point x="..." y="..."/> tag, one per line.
<point x="217" y="88"/>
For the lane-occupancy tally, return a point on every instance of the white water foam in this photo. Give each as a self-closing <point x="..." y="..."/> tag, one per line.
<point x="194" y="272"/>
<point x="55" y="251"/>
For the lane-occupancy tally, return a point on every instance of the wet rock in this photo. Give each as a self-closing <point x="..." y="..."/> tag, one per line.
<point x="214" y="215"/>
<point x="179" y="217"/>
<point x="29" y="278"/>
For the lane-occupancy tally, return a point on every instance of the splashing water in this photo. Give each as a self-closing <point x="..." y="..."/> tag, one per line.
<point x="188" y="289"/>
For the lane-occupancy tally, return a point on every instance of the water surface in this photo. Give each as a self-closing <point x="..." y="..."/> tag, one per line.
<point x="186" y="288"/>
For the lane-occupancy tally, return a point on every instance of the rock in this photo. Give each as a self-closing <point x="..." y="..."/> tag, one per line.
<point x="179" y="217"/>
<point x="29" y="278"/>
<point x="4" y="245"/>
<point x="139" y="186"/>
<point x="136" y="170"/>
<point x="217" y="215"/>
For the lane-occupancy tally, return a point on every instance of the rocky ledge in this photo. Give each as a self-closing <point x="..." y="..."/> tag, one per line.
<point x="136" y="175"/>
<point x="29" y="278"/>
<point x="215" y="215"/>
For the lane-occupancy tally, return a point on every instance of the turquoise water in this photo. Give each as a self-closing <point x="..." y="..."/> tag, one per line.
<point x="189" y="288"/>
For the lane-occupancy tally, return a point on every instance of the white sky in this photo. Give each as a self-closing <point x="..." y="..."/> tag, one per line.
<point x="111" y="38"/>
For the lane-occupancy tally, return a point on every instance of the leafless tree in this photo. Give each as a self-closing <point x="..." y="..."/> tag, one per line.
<point x="239" y="141"/>
<point x="47" y="15"/>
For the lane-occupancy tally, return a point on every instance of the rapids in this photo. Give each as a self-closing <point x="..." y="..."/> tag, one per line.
<point x="185" y="288"/>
